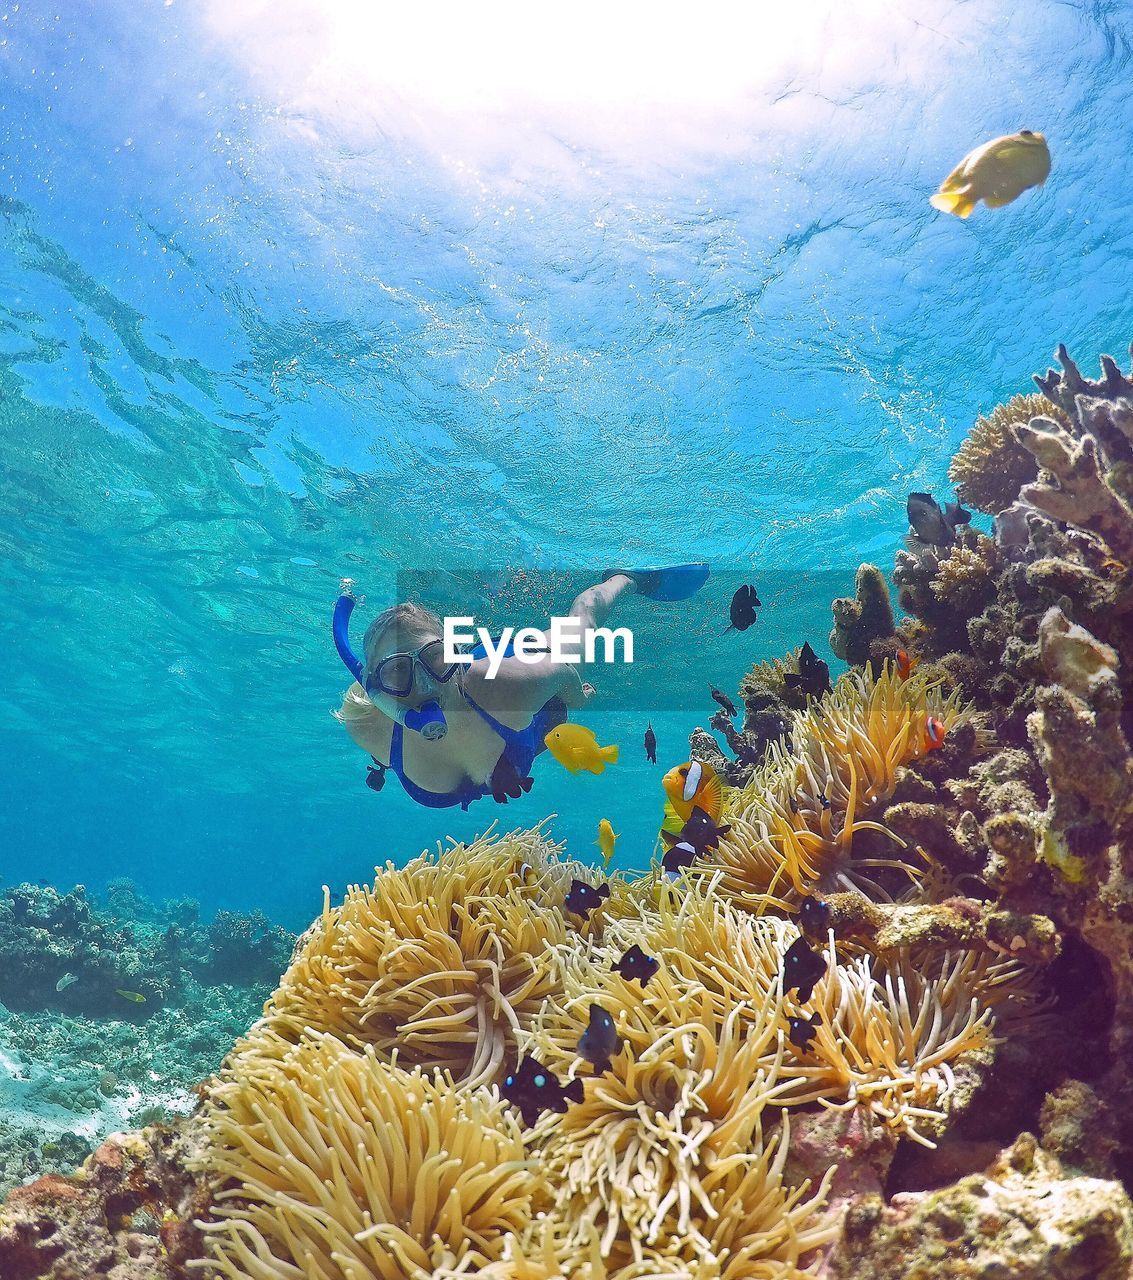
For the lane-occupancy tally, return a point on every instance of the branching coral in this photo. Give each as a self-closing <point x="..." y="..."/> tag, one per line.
<point x="991" y="466"/>
<point x="333" y="1163"/>
<point x="1090" y="454"/>
<point x="794" y="823"/>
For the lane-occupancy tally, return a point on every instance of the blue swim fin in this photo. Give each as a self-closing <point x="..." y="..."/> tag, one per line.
<point x="677" y="582"/>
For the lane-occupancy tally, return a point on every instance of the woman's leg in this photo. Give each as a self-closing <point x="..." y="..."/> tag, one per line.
<point x="594" y="605"/>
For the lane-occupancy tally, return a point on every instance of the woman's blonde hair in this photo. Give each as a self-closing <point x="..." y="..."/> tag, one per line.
<point x="408" y="616"/>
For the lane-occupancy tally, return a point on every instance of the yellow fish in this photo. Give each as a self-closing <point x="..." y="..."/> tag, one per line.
<point x="691" y="786"/>
<point x="130" y="995"/>
<point x="576" y="748"/>
<point x="996" y="173"/>
<point x="606" y="838"/>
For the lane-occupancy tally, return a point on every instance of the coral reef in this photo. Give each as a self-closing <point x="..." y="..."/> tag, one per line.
<point x="62" y="951"/>
<point x="965" y="832"/>
<point x="768" y="706"/>
<point x="1022" y="1218"/>
<point x="82" y="1062"/>
<point x="796" y="821"/>
<point x="324" y="1141"/>
<point x="129" y="1214"/>
<point x="1044" y="648"/>
<point x="863" y="619"/>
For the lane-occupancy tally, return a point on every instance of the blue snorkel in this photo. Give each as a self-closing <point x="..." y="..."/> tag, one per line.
<point x="428" y="720"/>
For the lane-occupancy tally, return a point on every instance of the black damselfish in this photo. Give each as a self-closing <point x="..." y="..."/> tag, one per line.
<point x="802" y="968"/>
<point x="600" y="1041"/>
<point x="506" y="781"/>
<point x="724" y="701"/>
<point x="650" y="744"/>
<point x="813" y="676"/>
<point x="933" y="523"/>
<point x="803" y="1030"/>
<point x="742" y="610"/>
<point x="533" y="1089"/>
<point x="699" y="831"/>
<point x="813" y="917"/>
<point x="636" y="964"/>
<point x="584" y="898"/>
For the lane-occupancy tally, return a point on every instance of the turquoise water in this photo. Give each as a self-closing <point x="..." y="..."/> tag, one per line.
<point x="266" y="322"/>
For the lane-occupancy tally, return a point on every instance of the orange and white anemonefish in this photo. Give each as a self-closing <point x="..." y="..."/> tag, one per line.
<point x="691" y="786"/>
<point x="934" y="734"/>
<point x="905" y="664"/>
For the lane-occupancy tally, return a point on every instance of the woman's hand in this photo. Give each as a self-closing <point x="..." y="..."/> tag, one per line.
<point x="575" y="692"/>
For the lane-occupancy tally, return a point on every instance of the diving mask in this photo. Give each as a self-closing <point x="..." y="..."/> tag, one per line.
<point x="396" y="675"/>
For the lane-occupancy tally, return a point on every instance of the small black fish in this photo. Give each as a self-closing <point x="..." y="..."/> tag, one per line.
<point x="803" y="1030"/>
<point x="822" y="800"/>
<point x="934" y="524"/>
<point x="742" y="610"/>
<point x="650" y="744"/>
<point x="813" y="917"/>
<point x="584" y="898"/>
<point x="505" y="781"/>
<point x="802" y="968"/>
<point x="677" y="857"/>
<point x="724" y="701"/>
<point x="636" y="964"/>
<point x="600" y="1041"/>
<point x="699" y="831"/>
<point x="533" y="1089"/>
<point x="813" y="678"/>
<point x="794" y="804"/>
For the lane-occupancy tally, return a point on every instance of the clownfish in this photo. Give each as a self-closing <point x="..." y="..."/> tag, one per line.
<point x="934" y="734"/>
<point x="905" y="665"/>
<point x="691" y="786"/>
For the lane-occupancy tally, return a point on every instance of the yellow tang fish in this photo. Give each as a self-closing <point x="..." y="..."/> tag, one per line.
<point x="691" y="786"/>
<point x="130" y="995"/>
<point x="606" y="838"/>
<point x="996" y="173"/>
<point x="576" y="748"/>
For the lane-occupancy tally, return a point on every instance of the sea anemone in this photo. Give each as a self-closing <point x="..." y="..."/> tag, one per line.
<point x="992" y="466"/>
<point x="676" y="1156"/>
<point x="327" y="1158"/>
<point x="794" y="823"/>
<point x="332" y="1162"/>
<point x="890" y="1033"/>
<point x="443" y="960"/>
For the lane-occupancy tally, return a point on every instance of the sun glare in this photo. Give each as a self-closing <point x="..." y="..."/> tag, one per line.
<point x="601" y="72"/>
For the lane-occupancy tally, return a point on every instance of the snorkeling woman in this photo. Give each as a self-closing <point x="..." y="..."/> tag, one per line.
<point x="449" y="733"/>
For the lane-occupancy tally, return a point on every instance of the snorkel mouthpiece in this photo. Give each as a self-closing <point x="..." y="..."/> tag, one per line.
<point x="428" y="719"/>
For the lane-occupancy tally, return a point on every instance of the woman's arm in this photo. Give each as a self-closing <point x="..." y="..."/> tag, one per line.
<point x="521" y="688"/>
